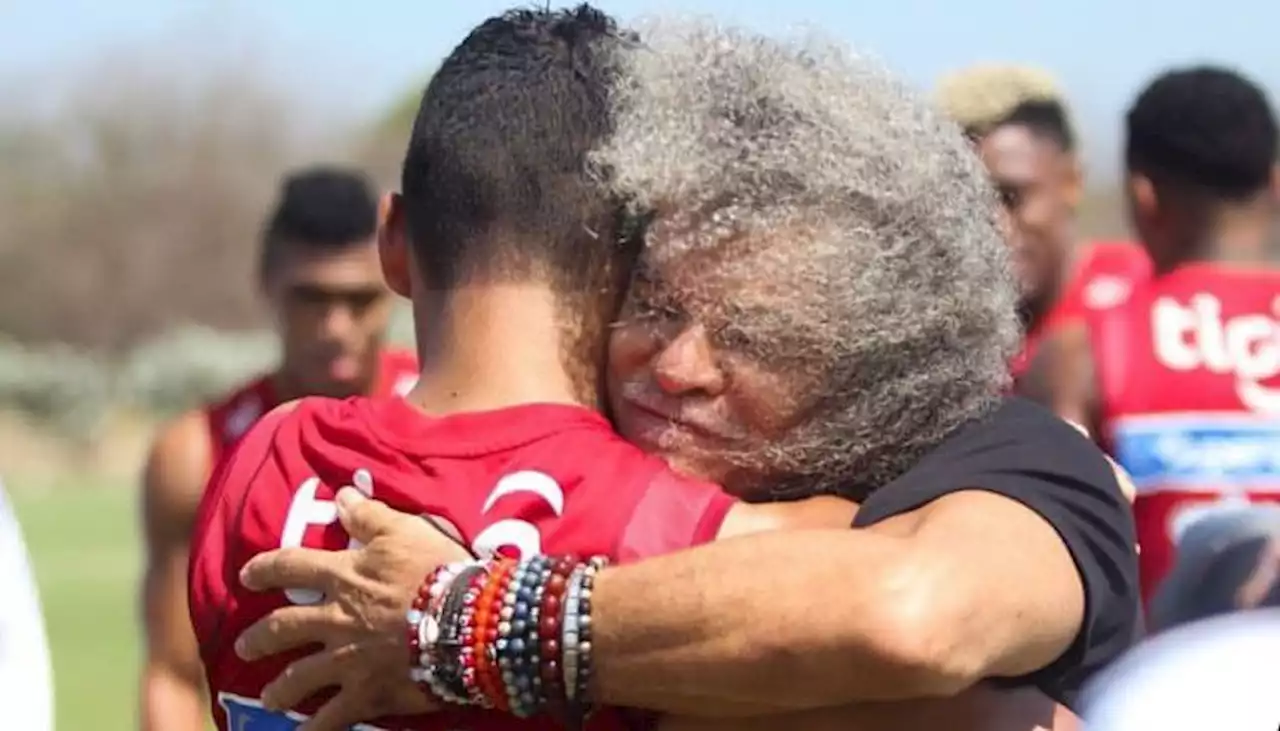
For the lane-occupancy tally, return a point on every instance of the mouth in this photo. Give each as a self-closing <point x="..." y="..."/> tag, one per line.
<point x="343" y="367"/>
<point x="655" y="425"/>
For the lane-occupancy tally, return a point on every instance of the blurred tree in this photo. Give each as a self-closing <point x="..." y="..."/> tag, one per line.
<point x="136" y="205"/>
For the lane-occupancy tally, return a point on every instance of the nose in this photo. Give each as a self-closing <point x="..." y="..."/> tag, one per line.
<point x="1009" y="226"/>
<point x="687" y="363"/>
<point x="338" y="321"/>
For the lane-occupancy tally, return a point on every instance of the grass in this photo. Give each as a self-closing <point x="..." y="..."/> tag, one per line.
<point x="84" y="545"/>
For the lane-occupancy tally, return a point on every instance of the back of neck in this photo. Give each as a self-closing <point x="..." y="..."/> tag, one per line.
<point x="490" y="347"/>
<point x="1240" y="234"/>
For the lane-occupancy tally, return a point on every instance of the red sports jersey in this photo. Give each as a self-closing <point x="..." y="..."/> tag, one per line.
<point x="1187" y="372"/>
<point x="231" y="417"/>
<point x="1104" y="275"/>
<point x="531" y="479"/>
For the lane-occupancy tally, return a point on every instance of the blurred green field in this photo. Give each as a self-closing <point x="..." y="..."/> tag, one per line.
<point x="84" y="545"/>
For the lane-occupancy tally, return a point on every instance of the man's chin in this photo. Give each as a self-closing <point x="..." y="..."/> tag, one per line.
<point x="686" y="464"/>
<point x="338" y="389"/>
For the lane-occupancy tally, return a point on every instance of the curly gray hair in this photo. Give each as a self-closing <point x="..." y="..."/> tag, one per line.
<point x="868" y="206"/>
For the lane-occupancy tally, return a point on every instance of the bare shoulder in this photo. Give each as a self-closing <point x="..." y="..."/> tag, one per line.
<point x="175" y="474"/>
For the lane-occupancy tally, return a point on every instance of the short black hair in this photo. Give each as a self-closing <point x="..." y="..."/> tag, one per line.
<point x="1204" y="126"/>
<point x="320" y="207"/>
<point x="496" y="181"/>
<point x="1045" y="118"/>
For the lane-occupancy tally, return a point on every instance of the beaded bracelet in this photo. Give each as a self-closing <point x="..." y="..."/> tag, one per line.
<point x="514" y="636"/>
<point x="424" y="627"/>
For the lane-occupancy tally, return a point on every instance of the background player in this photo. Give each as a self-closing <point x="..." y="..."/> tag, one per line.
<point x="1180" y="382"/>
<point x="1022" y="127"/>
<point x="319" y="270"/>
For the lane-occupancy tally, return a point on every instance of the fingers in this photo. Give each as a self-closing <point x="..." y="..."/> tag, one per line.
<point x="302" y="679"/>
<point x="1122" y="477"/>
<point x="1126" y="483"/>
<point x="293" y="568"/>
<point x="289" y="628"/>
<point x="1079" y="427"/>
<point x="364" y="519"/>
<point x="338" y="714"/>
<point x="447" y="527"/>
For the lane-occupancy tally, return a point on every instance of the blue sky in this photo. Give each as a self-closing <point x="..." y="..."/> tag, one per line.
<point x="357" y="56"/>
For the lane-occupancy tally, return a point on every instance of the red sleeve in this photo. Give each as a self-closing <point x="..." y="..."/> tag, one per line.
<point x="1120" y="266"/>
<point x="673" y="513"/>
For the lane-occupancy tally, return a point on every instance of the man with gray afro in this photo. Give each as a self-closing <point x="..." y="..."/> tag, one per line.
<point x="823" y="304"/>
<point x="825" y="297"/>
<point x="843" y="233"/>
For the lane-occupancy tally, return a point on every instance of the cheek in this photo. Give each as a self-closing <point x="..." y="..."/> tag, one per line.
<point x="1042" y="209"/>
<point x="631" y="347"/>
<point x="297" y="320"/>
<point x="375" y="319"/>
<point x="768" y="405"/>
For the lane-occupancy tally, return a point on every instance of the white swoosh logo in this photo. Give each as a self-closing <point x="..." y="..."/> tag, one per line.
<point x="512" y="531"/>
<point x="528" y="481"/>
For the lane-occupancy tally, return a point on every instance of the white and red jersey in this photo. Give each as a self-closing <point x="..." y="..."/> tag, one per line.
<point x="532" y="479"/>
<point x="1103" y="276"/>
<point x="1188" y="372"/>
<point x="231" y="416"/>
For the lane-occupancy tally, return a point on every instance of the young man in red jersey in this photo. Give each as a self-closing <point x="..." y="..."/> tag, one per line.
<point x="1020" y="123"/>
<point x="505" y="245"/>
<point x="1180" y="382"/>
<point x="319" y="270"/>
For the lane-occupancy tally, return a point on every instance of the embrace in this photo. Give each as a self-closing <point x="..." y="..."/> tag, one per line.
<point x="711" y="431"/>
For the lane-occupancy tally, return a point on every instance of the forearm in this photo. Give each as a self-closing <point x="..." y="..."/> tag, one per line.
<point x="172" y="687"/>
<point x="769" y="623"/>
<point x="171" y="701"/>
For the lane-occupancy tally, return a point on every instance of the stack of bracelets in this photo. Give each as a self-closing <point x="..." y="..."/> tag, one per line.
<point x="508" y="635"/>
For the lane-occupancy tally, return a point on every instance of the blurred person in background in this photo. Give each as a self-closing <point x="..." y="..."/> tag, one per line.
<point x="319" y="270"/>
<point x="1180" y="381"/>
<point x="1217" y="673"/>
<point x="26" y="679"/>
<point x="1227" y="562"/>
<point x="1021" y="125"/>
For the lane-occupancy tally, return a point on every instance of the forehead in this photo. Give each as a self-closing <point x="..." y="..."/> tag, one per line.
<point x="741" y="272"/>
<point x="1015" y="152"/>
<point x="354" y="265"/>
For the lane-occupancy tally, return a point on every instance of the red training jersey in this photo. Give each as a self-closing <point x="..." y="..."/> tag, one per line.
<point x="230" y="417"/>
<point x="1189" y="378"/>
<point x="531" y="479"/>
<point x="1103" y="276"/>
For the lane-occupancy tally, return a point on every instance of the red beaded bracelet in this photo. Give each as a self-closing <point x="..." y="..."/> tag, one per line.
<point x="550" y="610"/>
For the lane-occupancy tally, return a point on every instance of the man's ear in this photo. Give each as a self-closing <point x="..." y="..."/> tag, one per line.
<point x="1142" y="192"/>
<point x="393" y="244"/>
